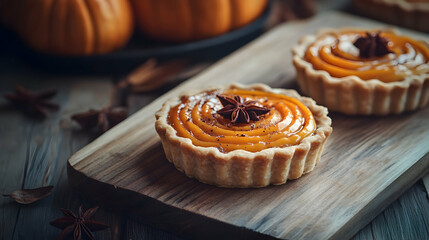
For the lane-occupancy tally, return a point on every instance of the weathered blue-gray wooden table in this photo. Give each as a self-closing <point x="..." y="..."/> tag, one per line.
<point x="34" y="153"/>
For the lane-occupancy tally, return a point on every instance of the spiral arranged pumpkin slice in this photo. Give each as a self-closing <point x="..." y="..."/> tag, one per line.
<point x="366" y="72"/>
<point x="240" y="136"/>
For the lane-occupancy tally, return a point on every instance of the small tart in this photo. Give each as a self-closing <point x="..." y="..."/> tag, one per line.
<point x="408" y="13"/>
<point x="331" y="71"/>
<point x="284" y="143"/>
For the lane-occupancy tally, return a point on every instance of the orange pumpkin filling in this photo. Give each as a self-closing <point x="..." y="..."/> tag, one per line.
<point x="287" y="123"/>
<point x="336" y="54"/>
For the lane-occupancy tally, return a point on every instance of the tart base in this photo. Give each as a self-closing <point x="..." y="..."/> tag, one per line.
<point x="354" y="96"/>
<point x="243" y="169"/>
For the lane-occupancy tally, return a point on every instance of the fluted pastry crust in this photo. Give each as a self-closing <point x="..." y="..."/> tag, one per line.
<point x="353" y="96"/>
<point x="413" y="15"/>
<point x="240" y="168"/>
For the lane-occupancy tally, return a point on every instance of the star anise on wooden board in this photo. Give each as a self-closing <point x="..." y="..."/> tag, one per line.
<point x="372" y="45"/>
<point x="27" y="196"/>
<point x="33" y="104"/>
<point x="239" y="111"/>
<point x="101" y="120"/>
<point x="79" y="226"/>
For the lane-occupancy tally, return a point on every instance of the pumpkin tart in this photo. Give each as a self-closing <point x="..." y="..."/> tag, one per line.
<point x="363" y="72"/>
<point x="243" y="136"/>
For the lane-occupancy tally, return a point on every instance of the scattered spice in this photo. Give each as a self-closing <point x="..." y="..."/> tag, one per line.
<point x="103" y="119"/>
<point x="239" y="111"/>
<point x="80" y="226"/>
<point x="33" y="104"/>
<point x="27" y="196"/>
<point x="372" y="45"/>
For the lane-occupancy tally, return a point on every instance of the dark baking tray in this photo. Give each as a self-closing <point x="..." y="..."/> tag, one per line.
<point x="135" y="52"/>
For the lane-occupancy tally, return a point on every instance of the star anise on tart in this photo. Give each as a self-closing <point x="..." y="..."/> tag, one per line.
<point x="34" y="104"/>
<point x="79" y="226"/>
<point x="372" y="45"/>
<point x="240" y="111"/>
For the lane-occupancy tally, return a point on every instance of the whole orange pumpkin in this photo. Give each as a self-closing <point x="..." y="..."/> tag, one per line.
<point x="187" y="20"/>
<point x="72" y="27"/>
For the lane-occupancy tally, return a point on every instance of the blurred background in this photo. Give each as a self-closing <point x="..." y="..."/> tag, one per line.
<point x="71" y="38"/>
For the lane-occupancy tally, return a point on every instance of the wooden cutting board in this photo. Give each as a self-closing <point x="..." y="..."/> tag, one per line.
<point x="366" y="164"/>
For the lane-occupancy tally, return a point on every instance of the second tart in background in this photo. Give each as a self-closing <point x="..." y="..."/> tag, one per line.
<point x="363" y="72"/>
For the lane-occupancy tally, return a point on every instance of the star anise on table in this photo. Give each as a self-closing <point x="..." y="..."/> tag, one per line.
<point x="80" y="226"/>
<point x="372" y="45"/>
<point x="33" y="104"/>
<point x="101" y="120"/>
<point x="239" y="111"/>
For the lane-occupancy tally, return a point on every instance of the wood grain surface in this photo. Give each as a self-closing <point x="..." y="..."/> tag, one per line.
<point x="35" y="152"/>
<point x="367" y="163"/>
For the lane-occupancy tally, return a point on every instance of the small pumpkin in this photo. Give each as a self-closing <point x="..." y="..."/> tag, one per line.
<point x="187" y="20"/>
<point x="72" y="27"/>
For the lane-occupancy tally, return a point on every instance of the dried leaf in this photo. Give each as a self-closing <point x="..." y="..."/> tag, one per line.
<point x="152" y="75"/>
<point x="191" y="71"/>
<point x="27" y="196"/>
<point x="172" y="77"/>
<point x="142" y="74"/>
